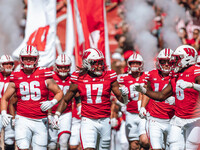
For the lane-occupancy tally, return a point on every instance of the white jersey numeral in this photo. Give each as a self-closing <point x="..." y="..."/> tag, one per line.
<point x="30" y="91"/>
<point x="64" y="88"/>
<point x="133" y="94"/>
<point x="1" y="88"/>
<point x="179" y="93"/>
<point x="89" y="91"/>
<point x="156" y="85"/>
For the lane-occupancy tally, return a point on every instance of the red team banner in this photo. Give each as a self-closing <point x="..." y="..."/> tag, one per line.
<point x="40" y="30"/>
<point x="86" y="27"/>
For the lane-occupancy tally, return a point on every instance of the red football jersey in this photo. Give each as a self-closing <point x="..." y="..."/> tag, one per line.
<point x="159" y="109"/>
<point x="3" y="85"/>
<point x="31" y="90"/>
<point x="64" y="86"/>
<point x="187" y="104"/>
<point x="95" y="93"/>
<point x="74" y="110"/>
<point x="128" y="80"/>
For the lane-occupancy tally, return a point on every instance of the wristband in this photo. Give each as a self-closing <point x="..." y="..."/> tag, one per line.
<point x="54" y="101"/>
<point x="119" y="103"/>
<point x="3" y="112"/>
<point x="57" y="113"/>
<point x="196" y="86"/>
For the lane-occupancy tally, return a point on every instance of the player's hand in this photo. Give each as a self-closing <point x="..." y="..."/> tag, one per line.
<point x="138" y="87"/>
<point x="55" y="122"/>
<point x="170" y="100"/>
<point x="50" y="119"/>
<point x="123" y="108"/>
<point x="124" y="90"/>
<point x="13" y="122"/>
<point x="6" y="118"/>
<point x="184" y="84"/>
<point x="79" y="111"/>
<point x="143" y="112"/>
<point x="113" y="122"/>
<point x="48" y="104"/>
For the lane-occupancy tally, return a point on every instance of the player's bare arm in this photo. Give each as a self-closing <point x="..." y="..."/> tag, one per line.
<point x="12" y="104"/>
<point x="53" y="87"/>
<point x="7" y="95"/>
<point x="116" y="91"/>
<point x="162" y="95"/>
<point x="67" y="97"/>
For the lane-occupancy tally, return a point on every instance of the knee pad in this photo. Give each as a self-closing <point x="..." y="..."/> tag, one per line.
<point x="63" y="141"/>
<point x="10" y="147"/>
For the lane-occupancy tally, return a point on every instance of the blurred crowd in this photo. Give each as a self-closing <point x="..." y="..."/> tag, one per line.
<point x="187" y="29"/>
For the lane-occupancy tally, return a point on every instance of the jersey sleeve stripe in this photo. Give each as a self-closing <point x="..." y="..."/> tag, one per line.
<point x="74" y="79"/>
<point x="113" y="76"/>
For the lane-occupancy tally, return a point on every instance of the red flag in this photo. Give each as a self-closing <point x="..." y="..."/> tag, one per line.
<point x="88" y="28"/>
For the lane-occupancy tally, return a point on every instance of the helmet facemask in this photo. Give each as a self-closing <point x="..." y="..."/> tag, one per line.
<point x="94" y="61"/>
<point x="29" y="57"/>
<point x="176" y="61"/>
<point x="62" y="70"/>
<point x="161" y="65"/>
<point x="138" y="66"/>
<point x="96" y="66"/>
<point x="138" y="63"/>
<point x="62" y="65"/>
<point x="29" y="62"/>
<point x="7" y="67"/>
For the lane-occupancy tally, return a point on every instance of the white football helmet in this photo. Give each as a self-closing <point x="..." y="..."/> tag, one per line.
<point x="183" y="56"/>
<point x="29" y="51"/>
<point x="63" y="61"/>
<point x="164" y="54"/>
<point x="91" y="57"/>
<point x="6" y="59"/>
<point x="198" y="60"/>
<point x="135" y="58"/>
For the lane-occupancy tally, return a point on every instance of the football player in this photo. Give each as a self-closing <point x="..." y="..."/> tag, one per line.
<point x="185" y="86"/>
<point x="135" y="126"/>
<point x="160" y="112"/>
<point x="32" y="85"/>
<point x="62" y="78"/>
<point x="6" y="68"/>
<point x="94" y="82"/>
